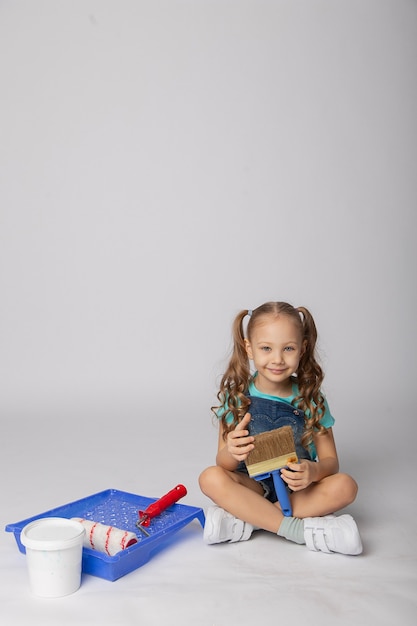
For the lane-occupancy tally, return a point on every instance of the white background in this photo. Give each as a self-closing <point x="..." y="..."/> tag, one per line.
<point x="165" y="164"/>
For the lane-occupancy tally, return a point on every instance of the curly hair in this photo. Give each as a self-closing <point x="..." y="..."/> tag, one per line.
<point x="234" y="384"/>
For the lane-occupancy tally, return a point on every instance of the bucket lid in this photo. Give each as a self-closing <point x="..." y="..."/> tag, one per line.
<point x="52" y="533"/>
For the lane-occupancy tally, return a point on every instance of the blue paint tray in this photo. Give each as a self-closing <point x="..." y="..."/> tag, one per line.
<point x="120" y="509"/>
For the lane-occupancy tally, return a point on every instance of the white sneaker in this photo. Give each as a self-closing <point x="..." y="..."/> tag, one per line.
<point x="222" y="526"/>
<point x="332" y="534"/>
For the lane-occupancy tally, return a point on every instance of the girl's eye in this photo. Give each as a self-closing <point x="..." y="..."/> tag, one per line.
<point x="289" y="348"/>
<point x="265" y="348"/>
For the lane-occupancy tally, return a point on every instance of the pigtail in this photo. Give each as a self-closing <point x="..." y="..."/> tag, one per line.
<point x="235" y="380"/>
<point x="309" y="378"/>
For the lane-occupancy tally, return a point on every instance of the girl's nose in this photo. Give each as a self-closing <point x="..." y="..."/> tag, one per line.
<point x="278" y="358"/>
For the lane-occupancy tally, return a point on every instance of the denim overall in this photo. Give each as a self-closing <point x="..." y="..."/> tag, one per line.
<point x="267" y="415"/>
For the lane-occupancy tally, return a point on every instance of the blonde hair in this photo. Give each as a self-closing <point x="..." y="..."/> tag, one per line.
<point x="235" y="381"/>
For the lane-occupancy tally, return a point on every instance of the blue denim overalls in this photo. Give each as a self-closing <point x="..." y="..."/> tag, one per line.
<point x="269" y="414"/>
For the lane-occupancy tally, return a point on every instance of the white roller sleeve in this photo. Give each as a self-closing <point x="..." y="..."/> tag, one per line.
<point x="107" y="539"/>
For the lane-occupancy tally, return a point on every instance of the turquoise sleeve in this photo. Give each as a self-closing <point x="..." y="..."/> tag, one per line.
<point x="327" y="420"/>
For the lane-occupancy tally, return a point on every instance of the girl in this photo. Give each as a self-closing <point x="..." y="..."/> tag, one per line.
<point x="285" y="389"/>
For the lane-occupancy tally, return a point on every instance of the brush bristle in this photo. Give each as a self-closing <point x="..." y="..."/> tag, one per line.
<point x="273" y="450"/>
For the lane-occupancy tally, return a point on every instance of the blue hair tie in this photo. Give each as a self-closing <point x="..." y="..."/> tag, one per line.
<point x="250" y="312"/>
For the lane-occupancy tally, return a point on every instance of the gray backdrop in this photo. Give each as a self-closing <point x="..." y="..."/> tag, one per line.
<point x="165" y="164"/>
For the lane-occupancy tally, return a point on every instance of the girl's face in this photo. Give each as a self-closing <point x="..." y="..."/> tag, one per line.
<point x="275" y="347"/>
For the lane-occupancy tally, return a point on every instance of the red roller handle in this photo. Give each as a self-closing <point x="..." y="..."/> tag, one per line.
<point x="160" y="505"/>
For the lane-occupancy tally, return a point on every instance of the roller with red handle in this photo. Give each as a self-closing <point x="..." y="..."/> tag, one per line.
<point x="157" y="507"/>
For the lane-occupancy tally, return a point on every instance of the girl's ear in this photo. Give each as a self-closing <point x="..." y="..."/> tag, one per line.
<point x="303" y="347"/>
<point x="248" y="349"/>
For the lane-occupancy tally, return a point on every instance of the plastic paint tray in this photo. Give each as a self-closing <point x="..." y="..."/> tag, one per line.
<point x="120" y="509"/>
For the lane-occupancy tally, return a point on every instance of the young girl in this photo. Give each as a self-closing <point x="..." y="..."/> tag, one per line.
<point x="285" y="389"/>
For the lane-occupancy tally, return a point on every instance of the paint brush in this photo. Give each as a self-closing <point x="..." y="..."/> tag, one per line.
<point x="274" y="449"/>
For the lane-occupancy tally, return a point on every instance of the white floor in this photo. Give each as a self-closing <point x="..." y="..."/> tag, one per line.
<point x="265" y="580"/>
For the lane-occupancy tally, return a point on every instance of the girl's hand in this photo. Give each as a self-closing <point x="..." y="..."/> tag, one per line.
<point x="299" y="475"/>
<point x="239" y="442"/>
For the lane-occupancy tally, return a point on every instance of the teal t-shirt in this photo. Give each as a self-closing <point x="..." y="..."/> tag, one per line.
<point x="327" y="420"/>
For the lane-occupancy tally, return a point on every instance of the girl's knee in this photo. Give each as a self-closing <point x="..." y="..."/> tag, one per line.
<point x="348" y="487"/>
<point x="209" y="478"/>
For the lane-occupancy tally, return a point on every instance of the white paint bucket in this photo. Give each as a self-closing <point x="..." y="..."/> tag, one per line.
<point x="54" y="554"/>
